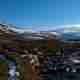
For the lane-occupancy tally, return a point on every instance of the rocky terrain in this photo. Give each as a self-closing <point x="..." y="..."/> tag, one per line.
<point x="16" y="44"/>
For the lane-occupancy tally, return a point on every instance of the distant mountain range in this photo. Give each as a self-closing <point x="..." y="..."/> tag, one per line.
<point x="26" y="33"/>
<point x="68" y="33"/>
<point x="34" y="35"/>
<point x="71" y="35"/>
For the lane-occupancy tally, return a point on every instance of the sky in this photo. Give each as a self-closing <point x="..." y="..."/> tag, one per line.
<point x="38" y="14"/>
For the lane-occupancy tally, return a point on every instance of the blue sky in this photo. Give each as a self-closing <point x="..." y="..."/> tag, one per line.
<point x="40" y="12"/>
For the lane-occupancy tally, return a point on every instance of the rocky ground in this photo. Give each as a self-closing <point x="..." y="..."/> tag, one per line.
<point x="28" y="60"/>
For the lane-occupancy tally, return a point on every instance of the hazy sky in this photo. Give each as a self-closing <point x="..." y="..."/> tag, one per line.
<point x="40" y="12"/>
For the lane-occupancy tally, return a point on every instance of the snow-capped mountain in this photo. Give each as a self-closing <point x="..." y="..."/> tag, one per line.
<point x="36" y="36"/>
<point x="71" y="33"/>
<point x="66" y="33"/>
<point x="8" y="28"/>
<point x="25" y="33"/>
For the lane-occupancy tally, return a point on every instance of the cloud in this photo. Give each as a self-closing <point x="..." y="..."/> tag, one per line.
<point x="72" y="28"/>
